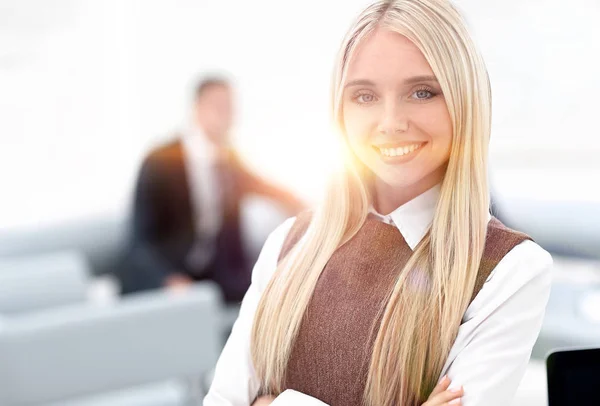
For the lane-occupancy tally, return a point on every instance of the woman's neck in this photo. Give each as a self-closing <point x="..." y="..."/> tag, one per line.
<point x="387" y="198"/>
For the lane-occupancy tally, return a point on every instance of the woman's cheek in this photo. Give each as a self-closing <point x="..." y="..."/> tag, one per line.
<point x="358" y="125"/>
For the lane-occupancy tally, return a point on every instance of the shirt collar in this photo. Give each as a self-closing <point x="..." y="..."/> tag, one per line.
<point x="413" y="218"/>
<point x="197" y="144"/>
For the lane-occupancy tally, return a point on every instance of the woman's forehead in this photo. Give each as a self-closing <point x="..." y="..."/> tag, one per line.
<point x="387" y="56"/>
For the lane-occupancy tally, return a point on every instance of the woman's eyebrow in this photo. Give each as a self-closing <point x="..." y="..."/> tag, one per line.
<point x="421" y="78"/>
<point x="409" y="81"/>
<point x="360" y="82"/>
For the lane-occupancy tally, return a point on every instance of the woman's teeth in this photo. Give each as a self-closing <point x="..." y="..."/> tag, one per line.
<point x="400" y="150"/>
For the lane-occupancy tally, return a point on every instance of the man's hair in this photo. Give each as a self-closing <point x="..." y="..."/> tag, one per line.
<point x="208" y="82"/>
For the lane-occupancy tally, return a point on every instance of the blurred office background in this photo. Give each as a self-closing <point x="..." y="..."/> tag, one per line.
<point x="88" y="87"/>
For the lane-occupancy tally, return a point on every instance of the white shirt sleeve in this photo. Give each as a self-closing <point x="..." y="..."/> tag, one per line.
<point x="294" y="398"/>
<point x="500" y="327"/>
<point x="235" y="382"/>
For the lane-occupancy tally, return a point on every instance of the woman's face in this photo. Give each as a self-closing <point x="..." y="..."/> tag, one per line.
<point x="394" y="113"/>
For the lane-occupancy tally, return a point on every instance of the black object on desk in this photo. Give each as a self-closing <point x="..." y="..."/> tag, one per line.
<point x="574" y="377"/>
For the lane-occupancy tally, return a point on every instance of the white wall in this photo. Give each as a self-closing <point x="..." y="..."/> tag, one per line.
<point x="86" y="87"/>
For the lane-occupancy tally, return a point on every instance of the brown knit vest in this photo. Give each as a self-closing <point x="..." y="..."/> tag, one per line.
<point x="331" y="354"/>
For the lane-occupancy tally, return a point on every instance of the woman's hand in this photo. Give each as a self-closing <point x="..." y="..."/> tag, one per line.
<point x="442" y="396"/>
<point x="263" y="401"/>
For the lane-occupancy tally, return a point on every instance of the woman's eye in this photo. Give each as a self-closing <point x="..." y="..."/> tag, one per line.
<point x="422" y="94"/>
<point x="365" y="98"/>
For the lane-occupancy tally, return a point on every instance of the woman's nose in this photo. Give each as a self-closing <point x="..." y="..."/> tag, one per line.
<point x="393" y="120"/>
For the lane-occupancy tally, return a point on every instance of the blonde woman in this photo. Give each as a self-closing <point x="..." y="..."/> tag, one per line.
<point x="400" y="289"/>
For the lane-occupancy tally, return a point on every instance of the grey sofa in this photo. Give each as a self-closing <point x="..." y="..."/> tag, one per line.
<point x="72" y="353"/>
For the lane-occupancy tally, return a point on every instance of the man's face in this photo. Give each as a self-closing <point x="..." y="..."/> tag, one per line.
<point x="214" y="112"/>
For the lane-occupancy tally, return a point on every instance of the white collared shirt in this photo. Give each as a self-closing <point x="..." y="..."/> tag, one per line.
<point x="413" y="218"/>
<point x="200" y="157"/>
<point x="494" y="341"/>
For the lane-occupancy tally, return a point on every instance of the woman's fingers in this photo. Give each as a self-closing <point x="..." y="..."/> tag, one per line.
<point x="442" y="396"/>
<point x="441" y="386"/>
<point x="447" y="397"/>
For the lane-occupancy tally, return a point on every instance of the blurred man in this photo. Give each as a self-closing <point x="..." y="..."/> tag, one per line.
<point x="186" y="224"/>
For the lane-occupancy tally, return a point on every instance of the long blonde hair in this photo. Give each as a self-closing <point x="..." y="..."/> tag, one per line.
<point x="417" y="328"/>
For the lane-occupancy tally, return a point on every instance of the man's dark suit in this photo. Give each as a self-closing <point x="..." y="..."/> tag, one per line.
<point x="164" y="226"/>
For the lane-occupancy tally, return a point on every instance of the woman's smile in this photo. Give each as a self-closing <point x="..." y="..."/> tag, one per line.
<point x="399" y="153"/>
